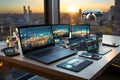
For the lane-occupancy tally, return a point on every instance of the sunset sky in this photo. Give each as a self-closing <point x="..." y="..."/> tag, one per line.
<point x="16" y="6"/>
<point x="67" y="5"/>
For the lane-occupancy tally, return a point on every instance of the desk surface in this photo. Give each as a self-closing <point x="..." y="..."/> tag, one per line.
<point x="53" y="72"/>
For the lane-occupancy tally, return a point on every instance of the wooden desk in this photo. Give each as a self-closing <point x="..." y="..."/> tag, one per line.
<point x="55" y="73"/>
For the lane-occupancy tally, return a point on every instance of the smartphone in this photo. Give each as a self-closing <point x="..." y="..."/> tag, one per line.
<point x="10" y="51"/>
<point x="111" y="45"/>
<point x="90" y="56"/>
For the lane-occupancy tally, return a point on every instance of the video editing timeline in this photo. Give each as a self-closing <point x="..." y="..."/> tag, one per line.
<point x="36" y="36"/>
<point x="80" y="30"/>
<point x="60" y="30"/>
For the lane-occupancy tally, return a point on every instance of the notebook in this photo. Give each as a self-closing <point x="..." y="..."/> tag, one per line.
<point x="37" y="43"/>
<point x="92" y="45"/>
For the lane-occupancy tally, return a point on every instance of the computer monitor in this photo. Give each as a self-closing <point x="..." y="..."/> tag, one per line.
<point x="61" y="30"/>
<point x="80" y="30"/>
<point x="35" y="36"/>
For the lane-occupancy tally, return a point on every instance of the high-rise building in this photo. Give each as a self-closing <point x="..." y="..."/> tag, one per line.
<point x="80" y="17"/>
<point x="29" y="14"/>
<point x="114" y="16"/>
<point x="25" y="14"/>
<point x="111" y="14"/>
<point x="117" y="3"/>
<point x="24" y="10"/>
<point x="117" y="12"/>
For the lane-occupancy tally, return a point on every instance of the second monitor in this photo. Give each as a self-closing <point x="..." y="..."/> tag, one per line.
<point x="60" y="30"/>
<point x="80" y="30"/>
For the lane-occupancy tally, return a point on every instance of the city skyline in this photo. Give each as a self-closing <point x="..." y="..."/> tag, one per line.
<point x="16" y="6"/>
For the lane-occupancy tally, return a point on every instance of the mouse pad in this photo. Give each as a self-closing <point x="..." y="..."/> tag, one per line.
<point x="75" y="64"/>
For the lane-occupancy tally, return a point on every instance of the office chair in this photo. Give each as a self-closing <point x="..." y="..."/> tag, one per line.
<point x="115" y="67"/>
<point x="116" y="62"/>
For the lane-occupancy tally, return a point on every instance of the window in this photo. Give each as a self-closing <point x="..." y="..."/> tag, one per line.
<point x="19" y="12"/>
<point x="97" y="13"/>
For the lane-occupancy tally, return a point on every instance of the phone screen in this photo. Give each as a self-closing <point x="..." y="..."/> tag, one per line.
<point x="9" y="50"/>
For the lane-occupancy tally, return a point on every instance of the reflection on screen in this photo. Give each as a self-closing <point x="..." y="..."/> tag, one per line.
<point x="35" y="36"/>
<point x="61" y="30"/>
<point x="80" y="30"/>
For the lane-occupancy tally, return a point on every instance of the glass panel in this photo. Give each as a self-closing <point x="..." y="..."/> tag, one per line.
<point x="19" y="12"/>
<point x="97" y="13"/>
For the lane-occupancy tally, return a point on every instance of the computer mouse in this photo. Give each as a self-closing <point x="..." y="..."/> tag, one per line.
<point x="114" y="44"/>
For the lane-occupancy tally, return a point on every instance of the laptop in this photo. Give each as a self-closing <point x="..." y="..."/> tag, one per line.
<point x="37" y="43"/>
<point x="92" y="46"/>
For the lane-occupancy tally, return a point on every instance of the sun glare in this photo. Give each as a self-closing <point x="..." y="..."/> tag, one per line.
<point x="73" y="9"/>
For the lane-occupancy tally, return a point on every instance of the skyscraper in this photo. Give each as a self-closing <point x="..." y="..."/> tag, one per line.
<point x="117" y="3"/>
<point x="24" y="10"/>
<point x="27" y="14"/>
<point x="80" y="17"/>
<point x="117" y="12"/>
<point x="115" y="17"/>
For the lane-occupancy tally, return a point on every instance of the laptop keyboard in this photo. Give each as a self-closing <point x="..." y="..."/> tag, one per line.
<point x="51" y="54"/>
<point x="47" y="52"/>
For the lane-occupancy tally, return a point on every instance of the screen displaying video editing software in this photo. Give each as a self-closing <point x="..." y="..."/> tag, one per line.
<point x="35" y="37"/>
<point x="60" y="30"/>
<point x="80" y="30"/>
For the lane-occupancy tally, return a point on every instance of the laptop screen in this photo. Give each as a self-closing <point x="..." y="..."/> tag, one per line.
<point x="91" y="43"/>
<point x="36" y="36"/>
<point x="80" y="30"/>
<point x="60" y="30"/>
